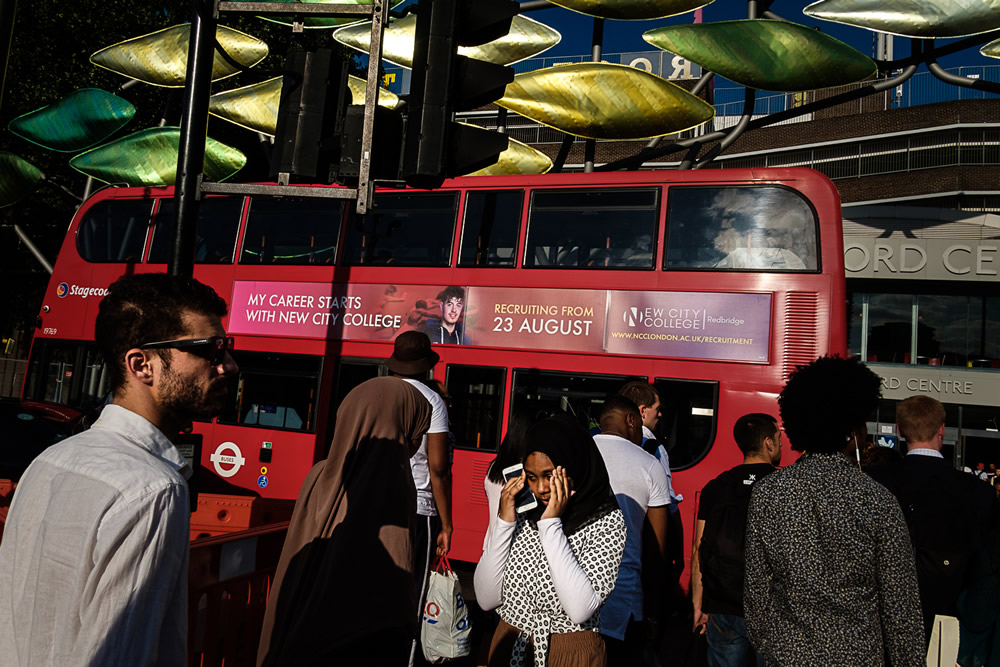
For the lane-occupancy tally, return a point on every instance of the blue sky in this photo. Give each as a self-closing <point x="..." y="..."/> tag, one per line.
<point x="626" y="36"/>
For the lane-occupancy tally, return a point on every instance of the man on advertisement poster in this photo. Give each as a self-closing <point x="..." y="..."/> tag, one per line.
<point x="450" y="329"/>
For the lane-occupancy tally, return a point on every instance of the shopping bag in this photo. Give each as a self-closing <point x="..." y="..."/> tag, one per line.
<point x="445" y="628"/>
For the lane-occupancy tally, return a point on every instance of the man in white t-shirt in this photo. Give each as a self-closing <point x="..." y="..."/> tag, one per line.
<point x="412" y="357"/>
<point x="640" y="485"/>
<point x="647" y="398"/>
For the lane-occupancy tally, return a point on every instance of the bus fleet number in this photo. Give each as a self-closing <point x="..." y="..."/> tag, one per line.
<point x="505" y="324"/>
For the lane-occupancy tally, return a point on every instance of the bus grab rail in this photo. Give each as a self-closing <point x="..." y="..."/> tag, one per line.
<point x="228" y="584"/>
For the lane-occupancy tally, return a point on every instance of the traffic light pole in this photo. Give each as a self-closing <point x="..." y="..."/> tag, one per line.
<point x="194" y="129"/>
<point x="190" y="185"/>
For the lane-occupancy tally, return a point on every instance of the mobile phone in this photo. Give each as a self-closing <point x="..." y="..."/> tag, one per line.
<point x="524" y="500"/>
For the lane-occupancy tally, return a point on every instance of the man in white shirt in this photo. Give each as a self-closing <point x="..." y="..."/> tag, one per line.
<point x="94" y="560"/>
<point x="412" y="357"/>
<point x="640" y="485"/>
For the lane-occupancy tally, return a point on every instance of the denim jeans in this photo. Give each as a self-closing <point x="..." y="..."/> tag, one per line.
<point x="728" y="645"/>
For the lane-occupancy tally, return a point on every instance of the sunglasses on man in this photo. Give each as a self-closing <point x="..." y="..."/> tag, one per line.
<point x="213" y="348"/>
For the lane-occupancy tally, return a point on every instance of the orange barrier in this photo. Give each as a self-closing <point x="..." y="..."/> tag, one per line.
<point x="229" y="582"/>
<point x="220" y="514"/>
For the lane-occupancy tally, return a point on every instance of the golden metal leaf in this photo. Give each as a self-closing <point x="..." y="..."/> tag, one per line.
<point x="764" y="54"/>
<point x="255" y="107"/>
<point x="991" y="50"/>
<point x="386" y="98"/>
<point x="604" y="101"/>
<point x="527" y="38"/>
<point x="517" y="159"/>
<point x="912" y="18"/>
<point x="160" y="58"/>
<point x="632" y="9"/>
<point x="322" y="21"/>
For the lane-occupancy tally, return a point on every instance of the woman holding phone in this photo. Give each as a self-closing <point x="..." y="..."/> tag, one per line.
<point x="548" y="571"/>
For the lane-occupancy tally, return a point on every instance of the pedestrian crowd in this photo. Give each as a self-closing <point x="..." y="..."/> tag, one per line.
<point x="848" y="556"/>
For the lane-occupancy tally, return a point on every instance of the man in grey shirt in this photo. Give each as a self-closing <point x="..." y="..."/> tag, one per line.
<point x="94" y="559"/>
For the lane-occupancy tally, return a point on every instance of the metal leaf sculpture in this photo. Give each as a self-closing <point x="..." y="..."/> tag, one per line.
<point x="767" y="55"/>
<point x="386" y="98"/>
<point x="255" y="107"/>
<point x="82" y="119"/>
<point x="604" y="101"/>
<point x="912" y="18"/>
<point x="160" y="58"/>
<point x="322" y="21"/>
<point x="527" y="38"/>
<point x="517" y="159"/>
<point x="149" y="157"/>
<point x="18" y="178"/>
<point x="991" y="50"/>
<point x="632" y="9"/>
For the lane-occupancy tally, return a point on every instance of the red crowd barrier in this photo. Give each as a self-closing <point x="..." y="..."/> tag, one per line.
<point x="229" y="582"/>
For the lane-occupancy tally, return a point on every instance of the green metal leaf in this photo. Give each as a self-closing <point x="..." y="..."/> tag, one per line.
<point x="912" y="18"/>
<point x="604" y="101"/>
<point x="160" y="58"/>
<point x="527" y="38"/>
<point x="322" y="21"/>
<point x="764" y="54"/>
<point x="149" y="157"/>
<point x="80" y="120"/>
<point x="632" y="9"/>
<point x="18" y="178"/>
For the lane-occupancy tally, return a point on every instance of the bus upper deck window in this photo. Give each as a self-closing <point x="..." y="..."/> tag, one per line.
<point x="292" y="231"/>
<point x="592" y="229"/>
<point x="114" y="230"/>
<point x="756" y="228"/>
<point x="403" y="230"/>
<point x="490" y="229"/>
<point x="218" y="224"/>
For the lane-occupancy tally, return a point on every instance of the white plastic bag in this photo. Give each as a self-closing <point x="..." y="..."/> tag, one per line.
<point x="446" y="628"/>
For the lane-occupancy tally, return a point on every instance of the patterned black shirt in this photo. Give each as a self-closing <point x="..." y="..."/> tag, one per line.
<point x="830" y="578"/>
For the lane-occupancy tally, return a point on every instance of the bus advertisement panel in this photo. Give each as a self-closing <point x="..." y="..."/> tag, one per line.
<point x="684" y="325"/>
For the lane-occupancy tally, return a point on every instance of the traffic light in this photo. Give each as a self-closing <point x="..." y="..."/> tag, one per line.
<point x="311" y="110"/>
<point x="444" y="82"/>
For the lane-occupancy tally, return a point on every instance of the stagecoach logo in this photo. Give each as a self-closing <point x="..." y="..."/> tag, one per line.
<point x="631" y="316"/>
<point x="65" y="289"/>
<point x="228" y="454"/>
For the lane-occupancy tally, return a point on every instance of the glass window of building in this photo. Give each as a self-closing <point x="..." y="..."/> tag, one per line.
<point x="890" y="327"/>
<point x="948" y="329"/>
<point x="740" y="228"/>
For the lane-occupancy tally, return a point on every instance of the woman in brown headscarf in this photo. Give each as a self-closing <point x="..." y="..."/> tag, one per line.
<point x="344" y="585"/>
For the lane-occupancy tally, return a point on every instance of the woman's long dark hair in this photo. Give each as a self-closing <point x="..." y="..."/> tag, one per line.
<point x="512" y="447"/>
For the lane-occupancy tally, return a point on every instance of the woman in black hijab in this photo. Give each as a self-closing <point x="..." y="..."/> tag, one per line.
<point x="549" y="571"/>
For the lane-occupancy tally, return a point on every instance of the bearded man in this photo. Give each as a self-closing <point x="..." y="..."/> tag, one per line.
<point x="94" y="559"/>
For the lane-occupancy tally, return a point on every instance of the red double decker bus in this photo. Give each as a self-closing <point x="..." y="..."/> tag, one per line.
<point x="711" y="285"/>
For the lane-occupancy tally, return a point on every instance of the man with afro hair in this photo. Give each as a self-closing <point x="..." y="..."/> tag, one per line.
<point x="830" y="577"/>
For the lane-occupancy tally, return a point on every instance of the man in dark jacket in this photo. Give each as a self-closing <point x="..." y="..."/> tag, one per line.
<point x="718" y="559"/>
<point x="947" y="512"/>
